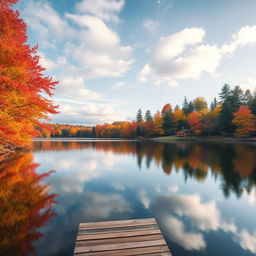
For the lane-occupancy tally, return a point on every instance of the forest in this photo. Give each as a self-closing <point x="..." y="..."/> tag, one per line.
<point x="233" y="115"/>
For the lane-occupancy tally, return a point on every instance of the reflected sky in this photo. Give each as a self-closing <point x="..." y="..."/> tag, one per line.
<point x="202" y="195"/>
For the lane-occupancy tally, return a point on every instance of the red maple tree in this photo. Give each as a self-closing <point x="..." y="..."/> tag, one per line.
<point x="24" y="90"/>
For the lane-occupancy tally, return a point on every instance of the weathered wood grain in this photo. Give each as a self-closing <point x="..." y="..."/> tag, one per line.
<point x="121" y="238"/>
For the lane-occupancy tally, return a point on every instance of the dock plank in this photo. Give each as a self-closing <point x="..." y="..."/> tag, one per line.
<point x="125" y="237"/>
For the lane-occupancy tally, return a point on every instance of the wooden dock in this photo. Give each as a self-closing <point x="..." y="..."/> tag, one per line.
<point x="120" y="238"/>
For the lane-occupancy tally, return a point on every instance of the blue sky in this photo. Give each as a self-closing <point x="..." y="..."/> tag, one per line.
<point x="112" y="57"/>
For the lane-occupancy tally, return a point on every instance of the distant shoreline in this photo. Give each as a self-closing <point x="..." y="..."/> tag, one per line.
<point x="203" y="139"/>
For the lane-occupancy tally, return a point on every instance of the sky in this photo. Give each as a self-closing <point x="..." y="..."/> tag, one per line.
<point x="112" y="57"/>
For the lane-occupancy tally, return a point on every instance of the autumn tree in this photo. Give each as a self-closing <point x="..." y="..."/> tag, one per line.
<point x="22" y="83"/>
<point x="244" y="121"/>
<point x="158" y="123"/>
<point x="194" y="121"/>
<point x="200" y="104"/>
<point x="26" y="205"/>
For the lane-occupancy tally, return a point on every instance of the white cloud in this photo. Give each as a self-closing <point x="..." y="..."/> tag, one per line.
<point x="89" y="113"/>
<point x="183" y="55"/>
<point x="245" y="36"/>
<point x="92" y="48"/>
<point x="99" y="49"/>
<point x="119" y="84"/>
<point x="47" y="23"/>
<point x="247" y="240"/>
<point x="203" y="216"/>
<point x="104" y="9"/>
<point x="150" y="25"/>
<point x="250" y="83"/>
<point x="177" y="232"/>
<point x="144" y="199"/>
<point x="89" y="49"/>
<point x="102" y="205"/>
<point x="75" y="87"/>
<point x="173" y="45"/>
<point x="144" y="73"/>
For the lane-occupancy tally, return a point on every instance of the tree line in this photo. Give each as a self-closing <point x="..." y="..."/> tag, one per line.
<point x="232" y="115"/>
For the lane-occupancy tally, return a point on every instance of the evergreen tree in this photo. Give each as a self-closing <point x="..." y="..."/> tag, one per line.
<point x="225" y="93"/>
<point x="191" y="107"/>
<point x="167" y="119"/>
<point x="252" y="104"/>
<point x="177" y="107"/>
<point x="214" y="104"/>
<point x="93" y="132"/>
<point x="139" y="117"/>
<point x="168" y="122"/>
<point x="185" y="106"/>
<point x="231" y="101"/>
<point x="237" y="97"/>
<point x="247" y="98"/>
<point x="148" y="116"/>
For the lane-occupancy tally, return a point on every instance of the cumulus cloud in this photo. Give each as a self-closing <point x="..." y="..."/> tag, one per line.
<point x="89" y="48"/>
<point x="75" y="87"/>
<point x="99" y="49"/>
<point x="247" y="240"/>
<point x="47" y="23"/>
<point x="184" y="56"/>
<point x="104" y="9"/>
<point x="90" y="113"/>
<point x="144" y="73"/>
<point x="203" y="216"/>
<point x="177" y="232"/>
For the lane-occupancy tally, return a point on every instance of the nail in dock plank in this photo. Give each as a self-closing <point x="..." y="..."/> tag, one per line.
<point x="121" y="238"/>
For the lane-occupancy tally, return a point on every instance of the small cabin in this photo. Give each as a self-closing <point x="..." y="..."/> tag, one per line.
<point x="184" y="133"/>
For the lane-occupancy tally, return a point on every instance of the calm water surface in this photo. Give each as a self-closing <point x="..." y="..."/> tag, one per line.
<point x="203" y="196"/>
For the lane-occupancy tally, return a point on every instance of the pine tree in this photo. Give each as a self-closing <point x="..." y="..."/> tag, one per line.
<point x="247" y="98"/>
<point x="167" y="119"/>
<point x="177" y="107"/>
<point x="214" y="104"/>
<point x="139" y="117"/>
<point x="148" y="116"/>
<point x="252" y="104"/>
<point x="225" y="93"/>
<point x="185" y="106"/>
<point x="191" y="107"/>
<point x="231" y="101"/>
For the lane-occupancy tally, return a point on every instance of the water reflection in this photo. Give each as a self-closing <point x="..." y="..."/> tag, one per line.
<point x="25" y="205"/>
<point x="234" y="164"/>
<point x="202" y="195"/>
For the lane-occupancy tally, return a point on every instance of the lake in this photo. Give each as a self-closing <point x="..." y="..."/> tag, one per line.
<point x="203" y="195"/>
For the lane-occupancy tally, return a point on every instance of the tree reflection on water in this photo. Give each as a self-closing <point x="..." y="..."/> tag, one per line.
<point x="234" y="164"/>
<point x="25" y="205"/>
